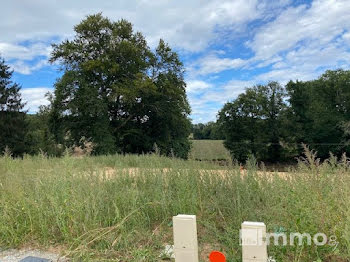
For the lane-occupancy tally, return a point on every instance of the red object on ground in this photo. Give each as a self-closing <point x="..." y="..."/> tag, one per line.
<point x="217" y="256"/>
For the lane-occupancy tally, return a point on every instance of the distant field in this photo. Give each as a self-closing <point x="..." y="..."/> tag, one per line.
<point x="209" y="150"/>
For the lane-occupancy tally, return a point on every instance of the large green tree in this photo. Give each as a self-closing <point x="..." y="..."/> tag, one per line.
<point x="319" y="112"/>
<point x="13" y="125"/>
<point x="252" y="123"/>
<point x="117" y="93"/>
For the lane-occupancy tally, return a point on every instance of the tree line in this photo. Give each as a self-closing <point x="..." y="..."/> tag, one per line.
<point x="207" y="131"/>
<point x="117" y="95"/>
<point x="273" y="122"/>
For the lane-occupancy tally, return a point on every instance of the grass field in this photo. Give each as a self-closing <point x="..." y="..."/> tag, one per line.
<point x="209" y="150"/>
<point x="75" y="205"/>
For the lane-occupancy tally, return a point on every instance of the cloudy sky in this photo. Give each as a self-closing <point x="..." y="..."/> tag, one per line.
<point x="226" y="45"/>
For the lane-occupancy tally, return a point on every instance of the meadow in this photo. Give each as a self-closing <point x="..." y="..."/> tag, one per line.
<point x="209" y="150"/>
<point x="120" y="207"/>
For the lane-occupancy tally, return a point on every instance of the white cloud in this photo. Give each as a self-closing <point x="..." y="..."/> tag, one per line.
<point x="197" y="85"/>
<point x="14" y="51"/>
<point x="205" y="106"/>
<point x="211" y="64"/>
<point x="26" y="68"/>
<point x="300" y="38"/>
<point x="22" y="58"/>
<point x="204" y="114"/>
<point x="35" y="97"/>
<point x="27" y="26"/>
<point x="346" y="37"/>
<point x="228" y="91"/>
<point x="189" y="25"/>
<point x="304" y="41"/>
<point x="320" y="23"/>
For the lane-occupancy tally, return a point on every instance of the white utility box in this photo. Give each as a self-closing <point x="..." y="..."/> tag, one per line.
<point x="185" y="238"/>
<point x="253" y="241"/>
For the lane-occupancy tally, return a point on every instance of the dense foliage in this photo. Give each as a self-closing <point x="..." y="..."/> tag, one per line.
<point x="272" y="122"/>
<point x="320" y="112"/>
<point x="251" y="123"/>
<point x="210" y="130"/>
<point x="39" y="135"/>
<point x="13" y="125"/>
<point x="118" y="94"/>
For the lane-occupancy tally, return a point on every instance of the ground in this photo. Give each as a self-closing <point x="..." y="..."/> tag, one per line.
<point x="120" y="207"/>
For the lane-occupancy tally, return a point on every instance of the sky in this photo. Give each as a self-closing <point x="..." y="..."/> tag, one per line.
<point x="225" y="45"/>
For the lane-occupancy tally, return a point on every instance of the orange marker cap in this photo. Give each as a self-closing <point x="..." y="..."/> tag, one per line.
<point x="217" y="256"/>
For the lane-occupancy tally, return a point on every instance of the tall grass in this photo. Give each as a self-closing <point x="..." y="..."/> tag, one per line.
<point x="119" y="208"/>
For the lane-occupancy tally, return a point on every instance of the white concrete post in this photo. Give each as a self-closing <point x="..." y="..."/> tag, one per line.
<point x="253" y="240"/>
<point x="185" y="238"/>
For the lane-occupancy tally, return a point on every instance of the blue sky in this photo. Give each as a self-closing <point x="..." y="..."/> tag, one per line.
<point x="226" y="45"/>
